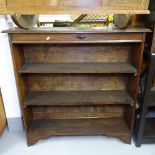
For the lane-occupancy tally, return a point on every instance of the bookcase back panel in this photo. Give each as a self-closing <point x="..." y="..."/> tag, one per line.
<point x="74" y="112"/>
<point x="77" y="53"/>
<point x="76" y="82"/>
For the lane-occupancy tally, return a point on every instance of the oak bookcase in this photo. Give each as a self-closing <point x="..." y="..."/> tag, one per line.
<point x="77" y="82"/>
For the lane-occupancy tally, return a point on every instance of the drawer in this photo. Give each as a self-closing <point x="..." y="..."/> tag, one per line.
<point x="76" y="38"/>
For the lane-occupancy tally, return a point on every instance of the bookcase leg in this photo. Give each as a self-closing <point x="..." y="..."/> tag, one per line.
<point x="126" y="139"/>
<point x="31" y="140"/>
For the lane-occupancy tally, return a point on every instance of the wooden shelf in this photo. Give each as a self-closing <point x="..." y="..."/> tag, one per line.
<point x="68" y="84"/>
<point x="115" y="67"/>
<point x="110" y="127"/>
<point x="77" y="98"/>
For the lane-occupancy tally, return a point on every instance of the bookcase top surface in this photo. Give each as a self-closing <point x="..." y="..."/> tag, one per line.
<point x="77" y="30"/>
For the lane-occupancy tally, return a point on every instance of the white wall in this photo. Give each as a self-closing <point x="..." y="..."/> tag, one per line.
<point x="7" y="79"/>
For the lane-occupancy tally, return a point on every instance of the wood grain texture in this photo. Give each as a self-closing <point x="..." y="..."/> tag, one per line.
<point x="76" y="38"/>
<point x="77" y="112"/>
<point x="134" y="82"/>
<point x="143" y="4"/>
<point x="77" y="98"/>
<point x="76" y="82"/>
<point x="77" y="6"/>
<point x="70" y="102"/>
<point x="2" y="3"/>
<point x="21" y="82"/>
<point x="79" y="3"/>
<point x="79" y="53"/>
<point x="30" y="3"/>
<point x="77" y="68"/>
<point x="2" y="116"/>
<point x="76" y="30"/>
<point x="42" y="129"/>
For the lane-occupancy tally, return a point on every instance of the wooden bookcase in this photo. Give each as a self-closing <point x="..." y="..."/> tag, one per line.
<point x="77" y="82"/>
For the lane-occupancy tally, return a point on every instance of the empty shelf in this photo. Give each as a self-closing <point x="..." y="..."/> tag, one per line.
<point x="78" y="68"/>
<point x="78" y="98"/>
<point x="108" y="126"/>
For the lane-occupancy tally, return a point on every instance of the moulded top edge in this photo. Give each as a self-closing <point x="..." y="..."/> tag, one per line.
<point x="77" y="30"/>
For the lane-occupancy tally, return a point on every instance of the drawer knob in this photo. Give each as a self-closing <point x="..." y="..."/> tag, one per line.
<point x="81" y="37"/>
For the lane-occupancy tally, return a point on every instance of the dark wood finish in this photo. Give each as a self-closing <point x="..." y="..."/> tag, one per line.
<point x="77" y="112"/>
<point x="77" y="82"/>
<point x="21" y="81"/>
<point x="77" y="68"/>
<point x="73" y="38"/>
<point x="134" y="82"/>
<point x="78" y="98"/>
<point x="78" y="54"/>
<point x="76" y="30"/>
<point x="42" y="129"/>
<point x="75" y="53"/>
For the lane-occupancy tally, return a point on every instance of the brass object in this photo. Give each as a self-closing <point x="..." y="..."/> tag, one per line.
<point x="121" y="20"/>
<point x="25" y="21"/>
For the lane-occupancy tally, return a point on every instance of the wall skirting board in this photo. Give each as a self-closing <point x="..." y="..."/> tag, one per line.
<point x="15" y="124"/>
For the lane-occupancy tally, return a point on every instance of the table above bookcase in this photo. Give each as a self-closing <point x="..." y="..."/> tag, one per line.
<point x="74" y="6"/>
